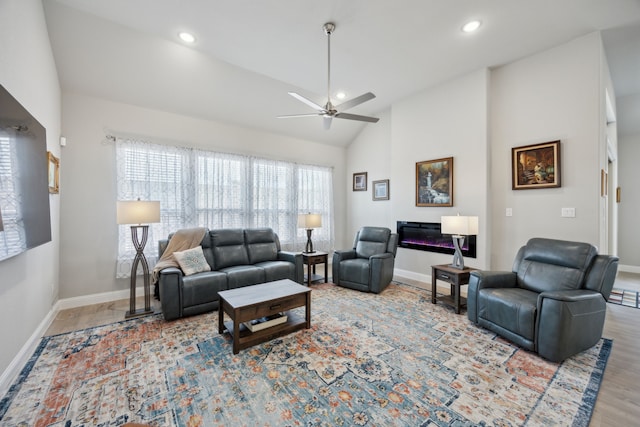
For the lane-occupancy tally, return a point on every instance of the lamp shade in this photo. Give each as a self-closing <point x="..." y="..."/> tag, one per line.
<point x="138" y="211"/>
<point x="459" y="225"/>
<point x="309" y="220"/>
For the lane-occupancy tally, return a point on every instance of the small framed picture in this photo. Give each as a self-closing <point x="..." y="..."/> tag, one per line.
<point x="536" y="166"/>
<point x="381" y="189"/>
<point x="360" y="181"/>
<point x="53" y="173"/>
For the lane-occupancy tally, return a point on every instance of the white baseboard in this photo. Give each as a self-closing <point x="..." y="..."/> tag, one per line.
<point x="412" y="275"/>
<point x="10" y="374"/>
<point x="629" y="268"/>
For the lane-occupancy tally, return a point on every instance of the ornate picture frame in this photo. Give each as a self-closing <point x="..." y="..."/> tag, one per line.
<point x="536" y="166"/>
<point x="360" y="181"/>
<point x="380" y="189"/>
<point x="434" y="182"/>
<point x="53" y="172"/>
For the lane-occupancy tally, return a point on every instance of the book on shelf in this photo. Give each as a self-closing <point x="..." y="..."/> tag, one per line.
<point x="265" y="322"/>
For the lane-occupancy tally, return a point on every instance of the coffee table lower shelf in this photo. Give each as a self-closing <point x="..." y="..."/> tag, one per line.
<point x="246" y="338"/>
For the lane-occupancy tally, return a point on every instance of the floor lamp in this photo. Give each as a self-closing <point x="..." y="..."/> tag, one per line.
<point x="459" y="227"/>
<point x="309" y="221"/>
<point x="139" y="212"/>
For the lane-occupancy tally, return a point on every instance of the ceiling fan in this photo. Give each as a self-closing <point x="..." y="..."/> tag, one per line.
<point x="329" y="111"/>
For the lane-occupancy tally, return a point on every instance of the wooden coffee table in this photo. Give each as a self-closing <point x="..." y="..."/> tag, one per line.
<point x="256" y="301"/>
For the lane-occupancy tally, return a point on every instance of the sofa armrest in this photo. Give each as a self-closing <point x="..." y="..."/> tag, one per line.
<point x="568" y="322"/>
<point x="338" y="256"/>
<point x="170" y="285"/>
<point x="296" y="259"/>
<point x="380" y="271"/>
<point x="486" y="279"/>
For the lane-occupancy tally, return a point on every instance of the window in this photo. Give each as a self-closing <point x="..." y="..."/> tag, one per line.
<point x="220" y="190"/>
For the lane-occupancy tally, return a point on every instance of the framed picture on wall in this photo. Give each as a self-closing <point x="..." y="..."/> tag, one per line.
<point x="381" y="189"/>
<point x="434" y="182"/>
<point x="360" y="181"/>
<point x="53" y="171"/>
<point x="536" y="166"/>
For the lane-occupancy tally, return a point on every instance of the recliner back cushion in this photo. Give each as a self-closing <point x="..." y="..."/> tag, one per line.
<point x="553" y="265"/>
<point x="229" y="248"/>
<point x="261" y="245"/>
<point x="372" y="241"/>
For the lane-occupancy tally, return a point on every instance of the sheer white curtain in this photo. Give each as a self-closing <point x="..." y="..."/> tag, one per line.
<point x="220" y="190"/>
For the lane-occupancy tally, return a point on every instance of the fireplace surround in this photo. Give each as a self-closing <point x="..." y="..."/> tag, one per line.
<point x="426" y="236"/>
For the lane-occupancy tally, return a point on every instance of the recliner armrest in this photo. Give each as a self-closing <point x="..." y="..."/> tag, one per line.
<point x="568" y="322"/>
<point x="381" y="256"/>
<point x="486" y="279"/>
<point x="339" y="256"/>
<point x="296" y="259"/>
<point x="170" y="285"/>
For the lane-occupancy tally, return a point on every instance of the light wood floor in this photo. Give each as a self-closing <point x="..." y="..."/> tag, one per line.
<point x="618" y="402"/>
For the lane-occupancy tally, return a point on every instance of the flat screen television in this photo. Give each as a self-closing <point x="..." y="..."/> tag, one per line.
<point x="25" y="220"/>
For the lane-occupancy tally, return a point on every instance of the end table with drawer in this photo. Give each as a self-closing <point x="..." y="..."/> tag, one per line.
<point x="310" y="259"/>
<point x="456" y="278"/>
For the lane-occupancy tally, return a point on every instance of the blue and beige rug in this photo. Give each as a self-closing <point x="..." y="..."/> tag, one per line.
<point x="392" y="359"/>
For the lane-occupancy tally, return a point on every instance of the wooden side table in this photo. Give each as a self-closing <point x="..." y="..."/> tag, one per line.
<point x="313" y="258"/>
<point x="456" y="278"/>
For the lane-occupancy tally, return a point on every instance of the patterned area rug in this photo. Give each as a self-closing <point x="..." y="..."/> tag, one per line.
<point x="376" y="360"/>
<point x="624" y="297"/>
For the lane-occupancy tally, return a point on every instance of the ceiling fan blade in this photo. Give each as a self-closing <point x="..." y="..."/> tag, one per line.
<point x="355" y="101"/>
<point x="307" y="101"/>
<point x="356" y="117"/>
<point x="326" y="122"/>
<point x="289" y="116"/>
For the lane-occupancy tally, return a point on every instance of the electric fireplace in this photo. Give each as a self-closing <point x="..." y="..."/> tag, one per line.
<point x="426" y="236"/>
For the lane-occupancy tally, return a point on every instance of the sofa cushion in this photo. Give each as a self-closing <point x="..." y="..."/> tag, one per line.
<point x="202" y="288"/>
<point x="243" y="275"/>
<point x="229" y="248"/>
<point x="192" y="261"/>
<point x="277" y="270"/>
<point x="511" y="308"/>
<point x="355" y="270"/>
<point x="261" y="245"/>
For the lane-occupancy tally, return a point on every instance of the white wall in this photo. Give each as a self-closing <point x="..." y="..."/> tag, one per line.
<point x="447" y="121"/>
<point x="29" y="281"/>
<point x="553" y="95"/>
<point x="88" y="225"/>
<point x="629" y="206"/>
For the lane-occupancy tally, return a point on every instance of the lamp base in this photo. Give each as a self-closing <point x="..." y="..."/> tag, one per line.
<point x="458" y="260"/>
<point x="139" y="244"/>
<point x="309" y="247"/>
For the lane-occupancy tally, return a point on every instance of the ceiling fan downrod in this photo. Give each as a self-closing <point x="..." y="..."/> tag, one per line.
<point x="328" y="28"/>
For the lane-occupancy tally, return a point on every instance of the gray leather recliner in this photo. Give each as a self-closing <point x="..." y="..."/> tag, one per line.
<point x="552" y="303"/>
<point x="368" y="266"/>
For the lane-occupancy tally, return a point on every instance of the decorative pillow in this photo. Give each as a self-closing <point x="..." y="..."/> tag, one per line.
<point x="192" y="261"/>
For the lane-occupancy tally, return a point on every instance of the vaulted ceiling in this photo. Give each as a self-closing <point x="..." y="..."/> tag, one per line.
<point x="248" y="54"/>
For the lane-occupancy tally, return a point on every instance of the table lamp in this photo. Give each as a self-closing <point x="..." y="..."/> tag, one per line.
<point x="139" y="212"/>
<point x="309" y="221"/>
<point x="459" y="227"/>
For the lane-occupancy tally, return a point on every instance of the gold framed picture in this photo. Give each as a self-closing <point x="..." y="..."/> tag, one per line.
<point x="434" y="182"/>
<point x="536" y="166"/>
<point x="53" y="173"/>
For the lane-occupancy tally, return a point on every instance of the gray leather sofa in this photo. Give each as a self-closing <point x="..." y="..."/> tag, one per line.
<point x="368" y="266"/>
<point x="553" y="302"/>
<point x="238" y="257"/>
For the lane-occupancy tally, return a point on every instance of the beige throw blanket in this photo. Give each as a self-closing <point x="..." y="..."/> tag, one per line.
<point x="183" y="239"/>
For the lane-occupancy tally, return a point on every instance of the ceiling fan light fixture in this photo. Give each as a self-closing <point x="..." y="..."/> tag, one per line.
<point x="471" y="26"/>
<point x="341" y="95"/>
<point x="187" y="37"/>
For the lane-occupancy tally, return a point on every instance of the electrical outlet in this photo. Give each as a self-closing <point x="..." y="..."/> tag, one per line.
<point x="509" y="212"/>
<point x="568" y="212"/>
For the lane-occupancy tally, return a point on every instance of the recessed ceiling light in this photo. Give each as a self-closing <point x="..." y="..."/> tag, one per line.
<point x="187" y="37"/>
<point x="471" y="26"/>
<point x="341" y="95"/>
